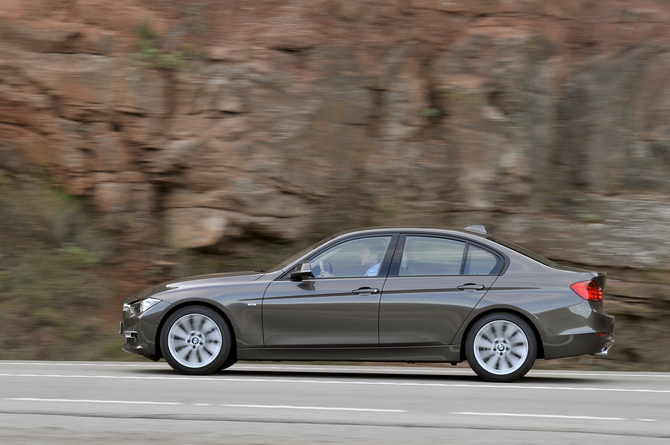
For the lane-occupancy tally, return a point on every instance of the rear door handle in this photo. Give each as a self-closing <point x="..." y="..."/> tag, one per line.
<point x="471" y="286"/>
<point x="365" y="291"/>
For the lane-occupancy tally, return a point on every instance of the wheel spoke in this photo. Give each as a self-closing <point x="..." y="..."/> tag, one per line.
<point x="500" y="328"/>
<point x="181" y="326"/>
<point x="486" y="354"/>
<point x="485" y="341"/>
<point x="185" y="353"/>
<point x="188" y="355"/>
<point x="488" y="358"/>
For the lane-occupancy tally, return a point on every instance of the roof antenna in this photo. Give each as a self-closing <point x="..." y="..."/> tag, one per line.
<point x="477" y="229"/>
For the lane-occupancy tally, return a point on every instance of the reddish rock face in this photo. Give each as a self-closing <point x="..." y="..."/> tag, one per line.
<point x="375" y="112"/>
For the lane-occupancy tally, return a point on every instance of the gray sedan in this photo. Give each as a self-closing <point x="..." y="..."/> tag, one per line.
<point x="411" y="295"/>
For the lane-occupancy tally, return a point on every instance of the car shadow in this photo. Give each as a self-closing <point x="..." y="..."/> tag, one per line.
<point x="413" y="376"/>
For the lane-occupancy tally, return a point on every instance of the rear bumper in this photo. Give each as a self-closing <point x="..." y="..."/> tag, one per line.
<point x="595" y="338"/>
<point x="596" y="343"/>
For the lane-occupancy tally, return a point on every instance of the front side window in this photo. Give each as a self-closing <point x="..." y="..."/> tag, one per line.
<point x="356" y="258"/>
<point x="431" y="256"/>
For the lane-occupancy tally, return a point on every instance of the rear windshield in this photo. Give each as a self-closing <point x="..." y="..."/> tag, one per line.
<point x="525" y="252"/>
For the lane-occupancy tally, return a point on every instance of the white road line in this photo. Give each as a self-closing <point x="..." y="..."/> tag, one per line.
<point x="321" y="408"/>
<point x="120" y="402"/>
<point x="80" y="364"/>
<point x="597" y="374"/>
<point x="541" y="416"/>
<point x="131" y="402"/>
<point x="344" y="382"/>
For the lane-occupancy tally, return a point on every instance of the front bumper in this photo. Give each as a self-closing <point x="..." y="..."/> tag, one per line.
<point x="131" y="336"/>
<point x="141" y="331"/>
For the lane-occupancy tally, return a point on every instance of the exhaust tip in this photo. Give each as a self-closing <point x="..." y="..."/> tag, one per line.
<point x="605" y="350"/>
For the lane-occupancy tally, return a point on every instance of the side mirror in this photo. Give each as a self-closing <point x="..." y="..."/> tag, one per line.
<point x="302" y="271"/>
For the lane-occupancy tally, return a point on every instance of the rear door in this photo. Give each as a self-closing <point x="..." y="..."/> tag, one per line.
<point x="433" y="284"/>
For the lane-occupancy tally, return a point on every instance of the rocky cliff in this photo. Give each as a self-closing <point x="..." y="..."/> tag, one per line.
<point x="210" y="125"/>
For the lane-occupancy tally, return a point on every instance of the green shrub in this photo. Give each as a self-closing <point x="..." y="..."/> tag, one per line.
<point x="52" y="276"/>
<point x="150" y="52"/>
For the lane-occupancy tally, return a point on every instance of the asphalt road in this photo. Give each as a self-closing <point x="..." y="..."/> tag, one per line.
<point x="146" y="403"/>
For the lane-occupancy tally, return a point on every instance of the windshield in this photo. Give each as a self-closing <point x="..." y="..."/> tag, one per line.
<point x="303" y="252"/>
<point x="525" y="252"/>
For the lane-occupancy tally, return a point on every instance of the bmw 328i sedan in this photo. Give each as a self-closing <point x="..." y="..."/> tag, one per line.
<point x="385" y="294"/>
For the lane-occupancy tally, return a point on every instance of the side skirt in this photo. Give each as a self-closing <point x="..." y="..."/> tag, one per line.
<point x="427" y="354"/>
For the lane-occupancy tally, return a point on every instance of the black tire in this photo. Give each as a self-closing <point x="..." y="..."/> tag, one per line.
<point x="501" y="347"/>
<point x="196" y="340"/>
<point x="230" y="361"/>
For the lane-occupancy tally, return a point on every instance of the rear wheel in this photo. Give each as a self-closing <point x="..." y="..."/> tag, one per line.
<point x="501" y="347"/>
<point x="196" y="340"/>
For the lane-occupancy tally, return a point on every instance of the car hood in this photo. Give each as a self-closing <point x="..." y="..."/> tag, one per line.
<point x="199" y="281"/>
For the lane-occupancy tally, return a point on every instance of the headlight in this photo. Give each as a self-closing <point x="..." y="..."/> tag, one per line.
<point x="139" y="307"/>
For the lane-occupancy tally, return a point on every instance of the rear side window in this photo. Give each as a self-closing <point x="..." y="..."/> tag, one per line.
<point x="431" y="256"/>
<point x="481" y="262"/>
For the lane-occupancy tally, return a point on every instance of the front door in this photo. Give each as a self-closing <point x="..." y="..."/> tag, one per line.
<point x="339" y="306"/>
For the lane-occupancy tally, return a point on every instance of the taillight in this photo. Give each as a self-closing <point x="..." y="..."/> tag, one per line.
<point x="588" y="290"/>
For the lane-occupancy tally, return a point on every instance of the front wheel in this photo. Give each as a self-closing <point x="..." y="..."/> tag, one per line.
<point x="501" y="347"/>
<point x="196" y="340"/>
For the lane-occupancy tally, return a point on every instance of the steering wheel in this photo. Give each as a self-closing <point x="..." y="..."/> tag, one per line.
<point x="326" y="270"/>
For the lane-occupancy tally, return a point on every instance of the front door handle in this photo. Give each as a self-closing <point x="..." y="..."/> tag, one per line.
<point x="471" y="286"/>
<point x="365" y="291"/>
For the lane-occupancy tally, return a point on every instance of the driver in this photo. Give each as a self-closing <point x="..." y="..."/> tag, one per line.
<point x="372" y="256"/>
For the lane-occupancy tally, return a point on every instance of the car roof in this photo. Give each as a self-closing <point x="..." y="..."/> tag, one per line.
<point x="409" y="229"/>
